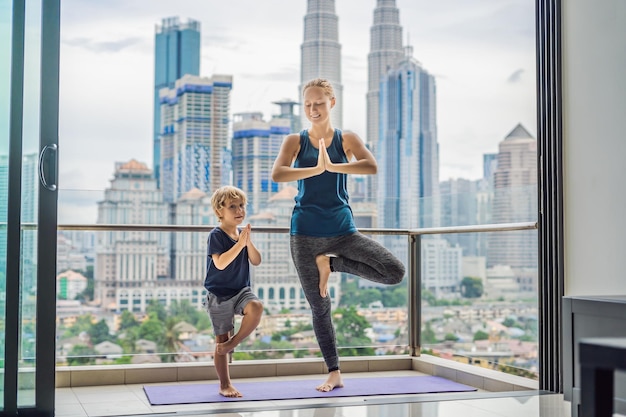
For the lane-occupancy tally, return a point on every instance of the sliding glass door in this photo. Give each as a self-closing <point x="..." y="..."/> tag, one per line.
<point x="29" y="69"/>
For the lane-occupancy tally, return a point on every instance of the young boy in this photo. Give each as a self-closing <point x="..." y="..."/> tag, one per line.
<point x="230" y="252"/>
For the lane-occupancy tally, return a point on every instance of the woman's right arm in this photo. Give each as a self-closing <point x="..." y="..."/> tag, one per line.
<point x="283" y="171"/>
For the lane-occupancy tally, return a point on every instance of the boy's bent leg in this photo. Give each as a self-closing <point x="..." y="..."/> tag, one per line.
<point x="221" y="367"/>
<point x="251" y="317"/>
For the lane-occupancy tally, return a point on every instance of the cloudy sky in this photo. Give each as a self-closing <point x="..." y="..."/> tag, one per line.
<point x="481" y="53"/>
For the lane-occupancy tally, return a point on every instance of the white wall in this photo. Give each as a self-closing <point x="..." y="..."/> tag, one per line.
<point x="594" y="121"/>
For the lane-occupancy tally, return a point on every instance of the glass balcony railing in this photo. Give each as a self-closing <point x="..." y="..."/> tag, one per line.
<point x="132" y="294"/>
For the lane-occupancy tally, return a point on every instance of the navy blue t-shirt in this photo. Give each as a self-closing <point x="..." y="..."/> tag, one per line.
<point x="229" y="281"/>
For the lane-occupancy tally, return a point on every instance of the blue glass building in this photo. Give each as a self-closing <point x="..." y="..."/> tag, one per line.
<point x="407" y="150"/>
<point x="176" y="53"/>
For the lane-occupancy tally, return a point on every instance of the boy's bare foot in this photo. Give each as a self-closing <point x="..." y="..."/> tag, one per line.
<point x="224" y="348"/>
<point x="230" y="391"/>
<point x="323" y="267"/>
<point x="334" y="381"/>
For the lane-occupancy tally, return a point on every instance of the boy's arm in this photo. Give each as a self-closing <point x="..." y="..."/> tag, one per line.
<point x="222" y="260"/>
<point x="253" y="254"/>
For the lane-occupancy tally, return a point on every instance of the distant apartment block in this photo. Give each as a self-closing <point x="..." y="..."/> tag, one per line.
<point x="195" y="120"/>
<point x="255" y="145"/>
<point x="515" y="200"/>
<point x="70" y="284"/>
<point x="442" y="267"/>
<point x="131" y="265"/>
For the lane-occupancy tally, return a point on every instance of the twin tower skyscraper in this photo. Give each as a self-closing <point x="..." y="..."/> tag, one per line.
<point x="401" y="113"/>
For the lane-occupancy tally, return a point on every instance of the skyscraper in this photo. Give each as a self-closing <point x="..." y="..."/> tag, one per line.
<point x="385" y="53"/>
<point x="321" y="53"/>
<point x="459" y="208"/>
<point x="195" y="135"/>
<point x="176" y="53"/>
<point x="407" y="151"/>
<point x="515" y="200"/>
<point x="255" y="146"/>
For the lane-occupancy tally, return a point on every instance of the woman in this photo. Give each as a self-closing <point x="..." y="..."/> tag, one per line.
<point x="323" y="236"/>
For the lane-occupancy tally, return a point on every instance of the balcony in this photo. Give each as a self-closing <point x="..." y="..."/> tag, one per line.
<point x="76" y="384"/>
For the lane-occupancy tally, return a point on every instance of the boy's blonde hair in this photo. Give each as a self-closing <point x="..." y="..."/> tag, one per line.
<point x="321" y="83"/>
<point x="223" y="194"/>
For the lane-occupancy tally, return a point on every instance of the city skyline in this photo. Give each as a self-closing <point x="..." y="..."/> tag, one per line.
<point x="482" y="55"/>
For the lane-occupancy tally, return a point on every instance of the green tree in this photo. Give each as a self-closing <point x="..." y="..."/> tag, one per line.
<point x="350" y="329"/>
<point x="99" y="332"/>
<point x="170" y="339"/>
<point x="129" y="338"/>
<point x="395" y="296"/>
<point x="184" y="311"/>
<point x="81" y="355"/>
<point x="152" y="328"/>
<point x="127" y="320"/>
<point x="480" y="335"/>
<point x="428" y="334"/>
<point x="154" y="306"/>
<point x="471" y="287"/>
<point x="82" y="324"/>
<point x="203" y="323"/>
<point x="509" y="322"/>
<point x="451" y="337"/>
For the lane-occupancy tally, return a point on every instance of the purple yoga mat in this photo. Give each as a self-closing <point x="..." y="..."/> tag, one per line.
<point x="299" y="389"/>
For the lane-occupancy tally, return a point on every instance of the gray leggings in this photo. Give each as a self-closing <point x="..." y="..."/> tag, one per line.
<point x="356" y="254"/>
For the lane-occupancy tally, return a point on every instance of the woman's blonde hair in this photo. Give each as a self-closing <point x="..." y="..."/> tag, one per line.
<point x="321" y="83"/>
<point x="223" y="194"/>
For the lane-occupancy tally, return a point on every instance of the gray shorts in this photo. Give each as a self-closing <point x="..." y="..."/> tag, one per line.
<point x="222" y="312"/>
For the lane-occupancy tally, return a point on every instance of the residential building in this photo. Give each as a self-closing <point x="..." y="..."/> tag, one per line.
<point x="129" y="263"/>
<point x="255" y="145"/>
<point x="176" y="53"/>
<point x="70" y="284"/>
<point x="515" y="191"/>
<point x="287" y="112"/>
<point x="195" y="122"/>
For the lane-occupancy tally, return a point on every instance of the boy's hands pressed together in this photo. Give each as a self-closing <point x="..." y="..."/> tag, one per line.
<point x="253" y="253"/>
<point x="244" y="235"/>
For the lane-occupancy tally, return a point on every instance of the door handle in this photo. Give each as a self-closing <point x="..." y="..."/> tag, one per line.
<point x="42" y="171"/>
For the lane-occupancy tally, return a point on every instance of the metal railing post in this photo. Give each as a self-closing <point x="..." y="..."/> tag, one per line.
<point x="415" y="293"/>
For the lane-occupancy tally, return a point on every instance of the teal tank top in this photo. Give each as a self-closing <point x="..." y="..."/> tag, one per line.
<point x="322" y="208"/>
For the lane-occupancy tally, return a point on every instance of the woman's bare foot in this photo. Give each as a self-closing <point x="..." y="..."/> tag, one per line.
<point x="230" y="391"/>
<point x="334" y="381"/>
<point x="224" y="348"/>
<point x="323" y="267"/>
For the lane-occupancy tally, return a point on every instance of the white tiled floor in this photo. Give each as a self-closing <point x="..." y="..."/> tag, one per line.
<point x="124" y="400"/>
